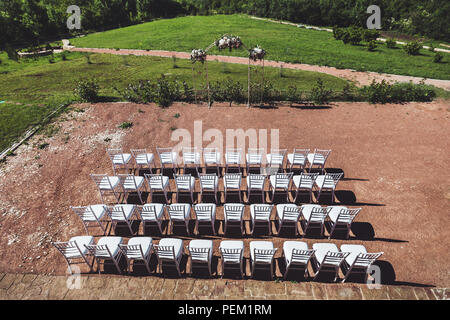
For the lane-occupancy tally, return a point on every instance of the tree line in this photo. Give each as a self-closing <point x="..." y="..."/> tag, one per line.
<point x="29" y="22"/>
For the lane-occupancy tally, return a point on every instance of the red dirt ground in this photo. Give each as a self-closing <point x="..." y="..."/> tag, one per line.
<point x="393" y="157"/>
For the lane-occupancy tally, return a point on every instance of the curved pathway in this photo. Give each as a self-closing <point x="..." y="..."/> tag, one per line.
<point x="358" y="77"/>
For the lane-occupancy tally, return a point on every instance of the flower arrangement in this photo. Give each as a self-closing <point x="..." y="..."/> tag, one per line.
<point x="230" y="42"/>
<point x="198" y="55"/>
<point x="257" y="53"/>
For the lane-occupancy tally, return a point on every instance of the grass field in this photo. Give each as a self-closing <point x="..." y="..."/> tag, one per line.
<point x="282" y="42"/>
<point x="34" y="88"/>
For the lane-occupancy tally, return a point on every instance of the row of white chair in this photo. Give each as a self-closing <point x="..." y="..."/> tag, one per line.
<point x="232" y="182"/>
<point x="324" y="257"/>
<point x="212" y="158"/>
<point x="288" y="215"/>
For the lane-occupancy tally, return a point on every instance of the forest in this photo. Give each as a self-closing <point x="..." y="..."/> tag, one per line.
<point x="32" y="22"/>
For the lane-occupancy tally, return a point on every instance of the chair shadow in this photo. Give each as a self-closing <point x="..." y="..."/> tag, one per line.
<point x="235" y="273"/>
<point x="334" y="170"/>
<point x="202" y="271"/>
<point x="153" y="230"/>
<point x="121" y="229"/>
<point x="169" y="270"/>
<point x="365" y="231"/>
<point x="139" y="269"/>
<point x="310" y="107"/>
<point x="347" y="197"/>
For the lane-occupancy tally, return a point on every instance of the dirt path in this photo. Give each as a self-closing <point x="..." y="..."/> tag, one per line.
<point x="359" y="78"/>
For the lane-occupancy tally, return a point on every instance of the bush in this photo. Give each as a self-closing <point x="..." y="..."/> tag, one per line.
<point x="370" y="35"/>
<point x="372" y="45"/>
<point x="338" y="32"/>
<point x="413" y="48"/>
<point x="384" y="92"/>
<point x="125" y="125"/>
<point x="438" y="57"/>
<point x="355" y="35"/>
<point x="319" y="95"/>
<point x="293" y="95"/>
<point x="63" y="56"/>
<point x="431" y="48"/>
<point x="391" y="43"/>
<point x="163" y="94"/>
<point x="87" y="90"/>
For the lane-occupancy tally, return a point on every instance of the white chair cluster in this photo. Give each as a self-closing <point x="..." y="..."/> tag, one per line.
<point x="324" y="257"/>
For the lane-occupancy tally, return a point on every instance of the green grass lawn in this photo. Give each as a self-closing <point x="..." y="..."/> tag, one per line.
<point x="282" y="42"/>
<point x="39" y="86"/>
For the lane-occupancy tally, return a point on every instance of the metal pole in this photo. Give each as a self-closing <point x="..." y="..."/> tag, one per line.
<point x="193" y="84"/>
<point x="207" y="83"/>
<point x="248" y="89"/>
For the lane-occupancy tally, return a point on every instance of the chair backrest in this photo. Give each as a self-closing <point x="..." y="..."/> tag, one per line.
<point x="128" y="181"/>
<point x="300" y="154"/>
<point x="165" y="252"/>
<point x="208" y="181"/>
<point x="102" y="181"/>
<point x="190" y="155"/>
<point x="204" y="210"/>
<point x="333" y="258"/>
<point x="291" y="213"/>
<point x="210" y="155"/>
<point x="85" y="213"/>
<point x="232" y="180"/>
<point x="262" y="211"/>
<point x="365" y="260"/>
<point x="231" y="255"/>
<point x="165" y="155"/>
<point x="321" y="155"/>
<point x="233" y="211"/>
<point x="116" y="213"/>
<point x="256" y="180"/>
<point x="301" y="256"/>
<point x="307" y="179"/>
<point x="282" y="179"/>
<point x="318" y="215"/>
<point x="148" y="212"/>
<point x="116" y="154"/>
<point x="68" y="249"/>
<point x="137" y="152"/>
<point x="264" y="256"/>
<point x="183" y="181"/>
<point x="199" y="254"/>
<point x="176" y="211"/>
<point x="233" y="155"/>
<point x="155" y="181"/>
<point x="134" y="250"/>
<point x="347" y="215"/>
<point x="277" y="157"/>
<point x="255" y="155"/>
<point x="99" y="250"/>
<point x="331" y="179"/>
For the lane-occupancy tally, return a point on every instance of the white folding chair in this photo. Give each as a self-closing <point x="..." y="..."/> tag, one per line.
<point x="158" y="182"/>
<point x="327" y="259"/>
<point x="185" y="182"/>
<point x="119" y="159"/>
<point x="92" y="216"/>
<point x="211" y="158"/>
<point x="232" y="252"/>
<point x="179" y="213"/>
<point x="74" y="250"/>
<point x="137" y="249"/>
<point x="341" y="217"/>
<point x="288" y="215"/>
<point x="167" y="157"/>
<point x="201" y="253"/>
<point x="143" y="159"/>
<point x="327" y="182"/>
<point x="318" y="158"/>
<point x="261" y="255"/>
<point x="106" y="249"/>
<point x="304" y="182"/>
<point x="254" y="158"/>
<point x="256" y="182"/>
<point x="358" y="260"/>
<point x="232" y="182"/>
<point x="169" y="251"/>
<point x="151" y="213"/>
<point x="132" y="183"/>
<point x="260" y="214"/>
<point x="233" y="158"/>
<point x="233" y="214"/>
<point x="297" y="158"/>
<point x="107" y="185"/>
<point x="122" y="213"/>
<point x="296" y="255"/>
<point x="313" y="217"/>
<point x="209" y="183"/>
<point x="191" y="157"/>
<point x="275" y="160"/>
<point x="205" y="213"/>
<point x="280" y="182"/>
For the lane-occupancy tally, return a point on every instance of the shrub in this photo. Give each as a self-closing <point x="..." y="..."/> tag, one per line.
<point x="413" y="48"/>
<point x="348" y="93"/>
<point x="355" y="35"/>
<point x="370" y="34"/>
<point x="338" y="32"/>
<point x="293" y="95"/>
<point x="125" y="125"/>
<point x="384" y="92"/>
<point x="431" y="48"/>
<point x="319" y="94"/>
<point x="63" y="56"/>
<point x="438" y="57"/>
<point x="233" y="91"/>
<point x="87" y="90"/>
<point x="372" y="45"/>
<point x="188" y="92"/>
<point x="391" y="43"/>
